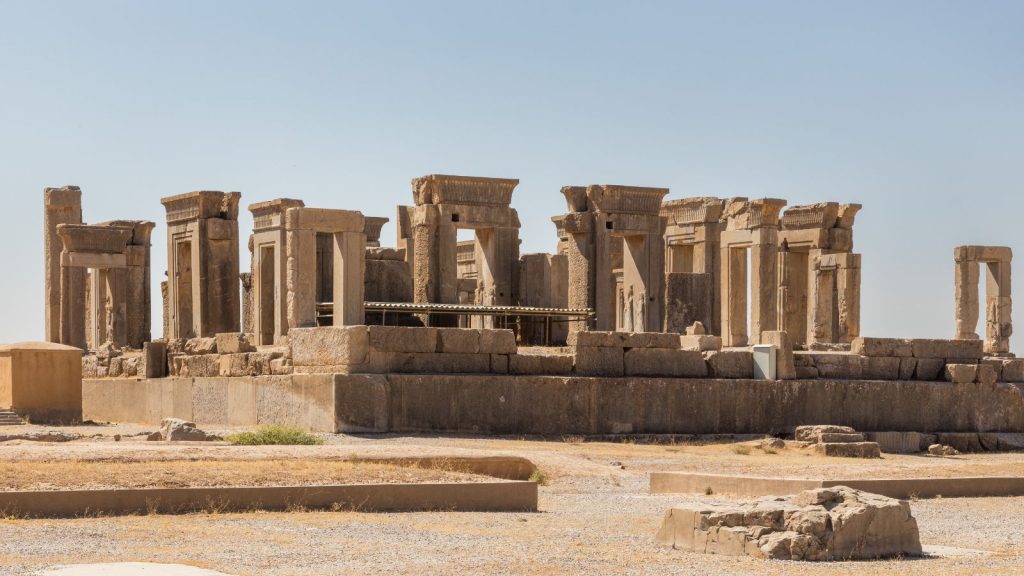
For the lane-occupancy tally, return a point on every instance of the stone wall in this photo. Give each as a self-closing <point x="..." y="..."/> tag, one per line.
<point x="522" y="404"/>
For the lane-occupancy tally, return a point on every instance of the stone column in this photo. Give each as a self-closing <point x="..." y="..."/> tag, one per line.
<point x="764" y="260"/>
<point x="734" y="296"/>
<point x="60" y="206"/>
<point x="966" y="281"/>
<point x="425" y="287"/>
<point x="998" y="325"/>
<point x="848" y="297"/>
<point x="820" y="327"/>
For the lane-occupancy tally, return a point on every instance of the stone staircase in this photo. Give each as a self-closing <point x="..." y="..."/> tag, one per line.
<point x="9" y="417"/>
<point x="840" y="441"/>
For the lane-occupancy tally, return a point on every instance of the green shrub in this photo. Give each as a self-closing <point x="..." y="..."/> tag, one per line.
<point x="275" y="435"/>
<point x="539" y="477"/>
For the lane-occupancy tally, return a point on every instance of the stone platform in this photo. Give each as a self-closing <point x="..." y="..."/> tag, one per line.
<point x="524" y="404"/>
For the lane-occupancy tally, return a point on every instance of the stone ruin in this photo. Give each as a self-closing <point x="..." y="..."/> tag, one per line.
<point x="823" y="524"/>
<point x="639" y="289"/>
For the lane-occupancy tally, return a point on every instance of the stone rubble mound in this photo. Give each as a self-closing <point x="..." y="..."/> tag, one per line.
<point x="841" y="441"/>
<point x="837" y="523"/>
<point x="178" y="430"/>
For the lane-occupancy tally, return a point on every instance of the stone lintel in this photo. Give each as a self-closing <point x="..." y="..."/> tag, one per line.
<point x="847" y="215"/>
<point x="625" y="199"/>
<point x="823" y="216"/>
<point x="451" y="189"/>
<point x="982" y="254"/>
<point x="95" y="260"/>
<point x="692" y="211"/>
<point x="94" y="238"/>
<point x="324" y="220"/>
<point x="201" y="204"/>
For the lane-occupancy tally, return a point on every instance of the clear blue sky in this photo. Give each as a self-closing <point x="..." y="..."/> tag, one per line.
<point x="914" y="109"/>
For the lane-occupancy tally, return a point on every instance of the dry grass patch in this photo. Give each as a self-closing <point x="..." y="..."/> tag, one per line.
<point x="187" y="473"/>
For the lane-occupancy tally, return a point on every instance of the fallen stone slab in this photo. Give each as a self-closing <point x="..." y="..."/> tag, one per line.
<point x="812" y="433"/>
<point x="848" y="449"/>
<point x="837" y="523"/>
<point x="178" y="430"/>
<point x="130" y="569"/>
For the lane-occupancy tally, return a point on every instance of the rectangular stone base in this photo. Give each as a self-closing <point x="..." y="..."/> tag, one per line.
<point x="520" y="404"/>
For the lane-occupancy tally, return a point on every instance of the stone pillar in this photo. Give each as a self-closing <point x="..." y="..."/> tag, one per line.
<point x="734" y="296"/>
<point x="764" y="260"/>
<point x="349" y="271"/>
<point x="274" y="252"/>
<point x="848" y="297"/>
<point x="966" y="282"/>
<point x="60" y="206"/>
<point x="999" y="324"/>
<point x="425" y="286"/>
<point x="820" y="326"/>
<point x="138" y="288"/>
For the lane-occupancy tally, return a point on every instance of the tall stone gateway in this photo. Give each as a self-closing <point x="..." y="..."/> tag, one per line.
<point x="819" y="275"/>
<point x="202" y="264"/>
<point x="692" y="235"/>
<point x="428" y="232"/>
<point x="599" y="217"/>
<point x="302" y="257"/>
<point x="749" y="249"/>
<point x="998" y="301"/>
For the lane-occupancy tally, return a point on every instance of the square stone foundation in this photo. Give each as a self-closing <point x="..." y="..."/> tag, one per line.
<point x="42" y="381"/>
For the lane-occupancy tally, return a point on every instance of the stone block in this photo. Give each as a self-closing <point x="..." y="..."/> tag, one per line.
<point x="651" y="340"/>
<point x="897" y="347"/>
<point x="402" y="339"/>
<point x="233" y="343"/>
<point x="929" y="369"/>
<point x="840" y="437"/>
<point x="806" y="373"/>
<point x="900" y="442"/>
<point x="700" y="343"/>
<point x="961" y="373"/>
<point x="440" y="363"/>
<point x="329" y="345"/>
<point x="881" y="368"/>
<point x="849" y="450"/>
<point x="559" y="364"/>
<point x="458" y="340"/>
<point x="234" y="365"/>
<point x="154" y="359"/>
<point x="947" y="349"/>
<point x="197" y="346"/>
<point x="986" y="374"/>
<point x="1013" y="370"/>
<point x="785" y="363"/>
<point x="823" y="524"/>
<point x="961" y="441"/>
<point x="597" y="339"/>
<point x="494" y="341"/>
<point x="499" y="363"/>
<point x="810" y="433"/>
<point x="730" y="364"/>
<point x="200" y="366"/>
<point x="598" y="361"/>
<point x="664" y="362"/>
<point x="907" y="368"/>
<point x="838" y="366"/>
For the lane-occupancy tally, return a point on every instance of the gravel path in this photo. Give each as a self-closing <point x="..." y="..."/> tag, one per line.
<point x="596" y="518"/>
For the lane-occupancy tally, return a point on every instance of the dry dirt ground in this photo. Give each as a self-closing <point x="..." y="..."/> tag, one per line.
<point x="595" y="514"/>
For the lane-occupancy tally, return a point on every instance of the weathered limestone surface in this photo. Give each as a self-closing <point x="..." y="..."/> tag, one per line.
<point x="836" y="523"/>
<point x="601" y="218"/>
<point x="203" y="264"/>
<point x="42" y="380"/>
<point x="998" y="297"/>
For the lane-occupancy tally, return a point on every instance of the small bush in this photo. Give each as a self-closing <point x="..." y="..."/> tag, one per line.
<point x="275" y="435"/>
<point x="741" y="449"/>
<point x="708" y="491"/>
<point x="539" y="477"/>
